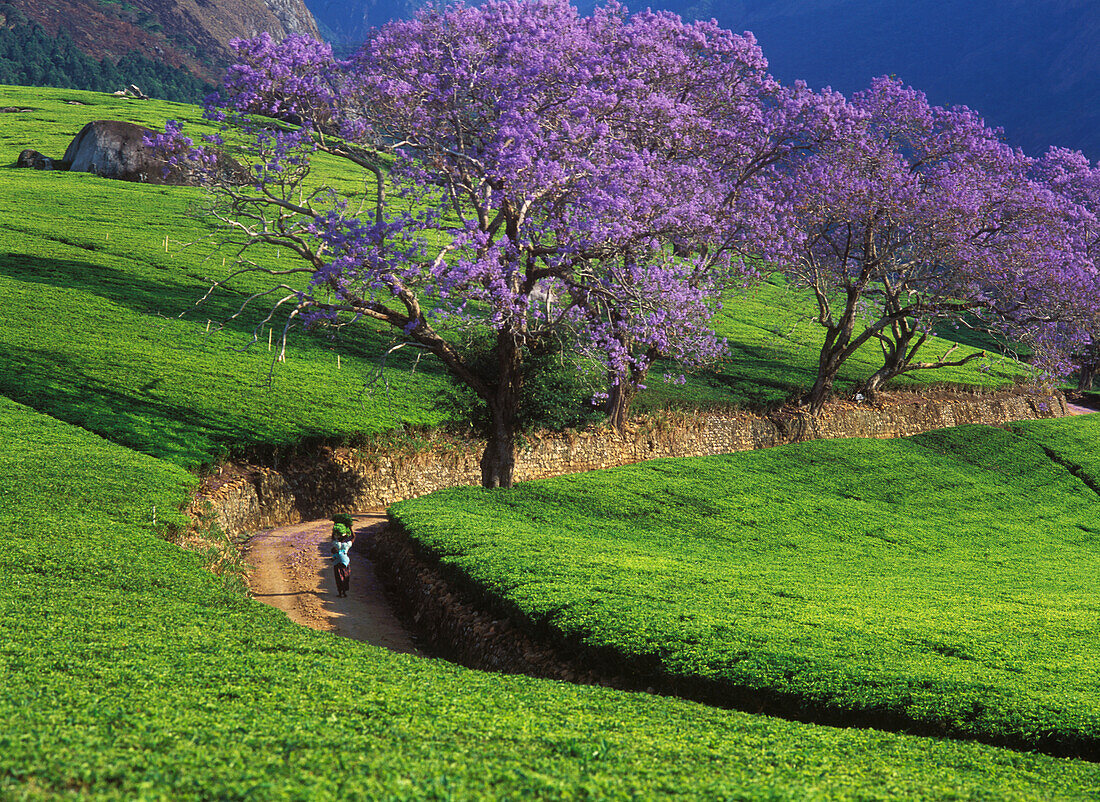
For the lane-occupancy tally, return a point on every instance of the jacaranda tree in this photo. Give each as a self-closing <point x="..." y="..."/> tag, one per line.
<point x="910" y="216"/>
<point x="530" y="171"/>
<point x="1072" y="338"/>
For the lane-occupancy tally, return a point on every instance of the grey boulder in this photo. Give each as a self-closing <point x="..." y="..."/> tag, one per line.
<point x="114" y="149"/>
<point x="34" y="160"/>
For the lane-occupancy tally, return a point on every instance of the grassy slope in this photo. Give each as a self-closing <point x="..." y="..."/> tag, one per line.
<point x="947" y="579"/>
<point x="127" y="671"/>
<point x="1069" y="443"/>
<point x="92" y="334"/>
<point x="774" y="349"/>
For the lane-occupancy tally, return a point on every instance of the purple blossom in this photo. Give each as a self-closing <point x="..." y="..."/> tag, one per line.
<point x="903" y="215"/>
<point x="530" y="171"/>
<point x="178" y="152"/>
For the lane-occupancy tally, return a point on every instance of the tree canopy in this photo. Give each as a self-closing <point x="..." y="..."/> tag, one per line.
<point x="549" y="171"/>
<point x="536" y="173"/>
<point x="909" y="216"/>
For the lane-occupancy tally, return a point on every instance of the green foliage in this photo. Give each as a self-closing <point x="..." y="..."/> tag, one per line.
<point x="127" y="671"/>
<point x="31" y="57"/>
<point x="947" y="579"/>
<point x="557" y="389"/>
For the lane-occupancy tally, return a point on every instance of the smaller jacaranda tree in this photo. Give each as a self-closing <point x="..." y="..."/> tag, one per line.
<point x="911" y="216"/>
<point x="1072" y="338"/>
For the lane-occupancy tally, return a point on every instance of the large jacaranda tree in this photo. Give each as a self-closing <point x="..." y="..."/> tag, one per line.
<point x="529" y="171"/>
<point x="521" y="173"/>
<point x="911" y="216"/>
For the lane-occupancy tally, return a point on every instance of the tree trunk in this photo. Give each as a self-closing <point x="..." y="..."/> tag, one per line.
<point x="1086" y="376"/>
<point x="819" y="393"/>
<point x="895" y="360"/>
<point x="837" y="346"/>
<point x="620" y="396"/>
<point x="828" y="365"/>
<point x="499" y="460"/>
<point x="899" y="354"/>
<point x="871" y="387"/>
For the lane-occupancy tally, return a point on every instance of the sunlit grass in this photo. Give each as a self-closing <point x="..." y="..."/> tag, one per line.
<point x="945" y="579"/>
<point x="129" y="672"/>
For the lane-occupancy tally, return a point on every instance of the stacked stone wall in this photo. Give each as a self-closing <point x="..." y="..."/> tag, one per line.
<point x="350" y="480"/>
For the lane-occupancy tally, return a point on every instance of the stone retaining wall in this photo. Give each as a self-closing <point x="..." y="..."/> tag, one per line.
<point x="251" y="497"/>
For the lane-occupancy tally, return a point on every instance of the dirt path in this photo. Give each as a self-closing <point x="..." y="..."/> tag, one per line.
<point x="292" y="571"/>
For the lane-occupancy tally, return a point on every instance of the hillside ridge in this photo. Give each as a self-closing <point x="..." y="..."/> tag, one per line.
<point x="194" y="34"/>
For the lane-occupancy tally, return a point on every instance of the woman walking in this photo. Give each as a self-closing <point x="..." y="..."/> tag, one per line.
<point x="342" y="538"/>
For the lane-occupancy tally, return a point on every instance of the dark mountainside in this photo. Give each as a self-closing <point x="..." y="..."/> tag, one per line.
<point x="345" y="22"/>
<point x="193" y="34"/>
<point x="1031" y="68"/>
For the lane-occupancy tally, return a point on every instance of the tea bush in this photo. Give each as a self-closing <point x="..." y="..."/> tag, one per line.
<point x="127" y="671"/>
<point x="946" y="580"/>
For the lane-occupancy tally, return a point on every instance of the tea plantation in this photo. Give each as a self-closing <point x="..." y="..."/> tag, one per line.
<point x="853" y="576"/>
<point x="95" y="275"/>
<point x="945" y="581"/>
<point x="128" y="671"/>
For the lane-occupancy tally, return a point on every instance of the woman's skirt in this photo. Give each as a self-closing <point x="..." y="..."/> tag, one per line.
<point x="343" y="577"/>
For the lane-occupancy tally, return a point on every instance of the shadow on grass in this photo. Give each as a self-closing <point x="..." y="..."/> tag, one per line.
<point x="171" y="299"/>
<point x="145" y="296"/>
<point x="975" y="336"/>
<point x="67" y="388"/>
<point x="753" y="377"/>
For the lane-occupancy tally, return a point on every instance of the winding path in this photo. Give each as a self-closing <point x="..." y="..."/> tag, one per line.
<point x="292" y="571"/>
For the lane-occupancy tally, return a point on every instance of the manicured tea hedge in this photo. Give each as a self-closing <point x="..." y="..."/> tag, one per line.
<point x="947" y="580"/>
<point x="127" y="671"/>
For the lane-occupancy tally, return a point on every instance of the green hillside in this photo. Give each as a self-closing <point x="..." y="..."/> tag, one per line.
<point x="93" y="336"/>
<point x="127" y="671"/>
<point x="129" y="259"/>
<point x="945" y="581"/>
<point x="130" y="671"/>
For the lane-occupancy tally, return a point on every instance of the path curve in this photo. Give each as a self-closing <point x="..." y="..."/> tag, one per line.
<point x="291" y="570"/>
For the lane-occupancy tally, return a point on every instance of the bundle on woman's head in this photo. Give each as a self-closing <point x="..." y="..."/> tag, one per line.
<point x="341" y="527"/>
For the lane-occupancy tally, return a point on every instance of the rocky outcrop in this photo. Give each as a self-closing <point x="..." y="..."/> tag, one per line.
<point x="33" y="160"/>
<point x="247" y="498"/>
<point x="295" y="17"/>
<point x="114" y="149"/>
